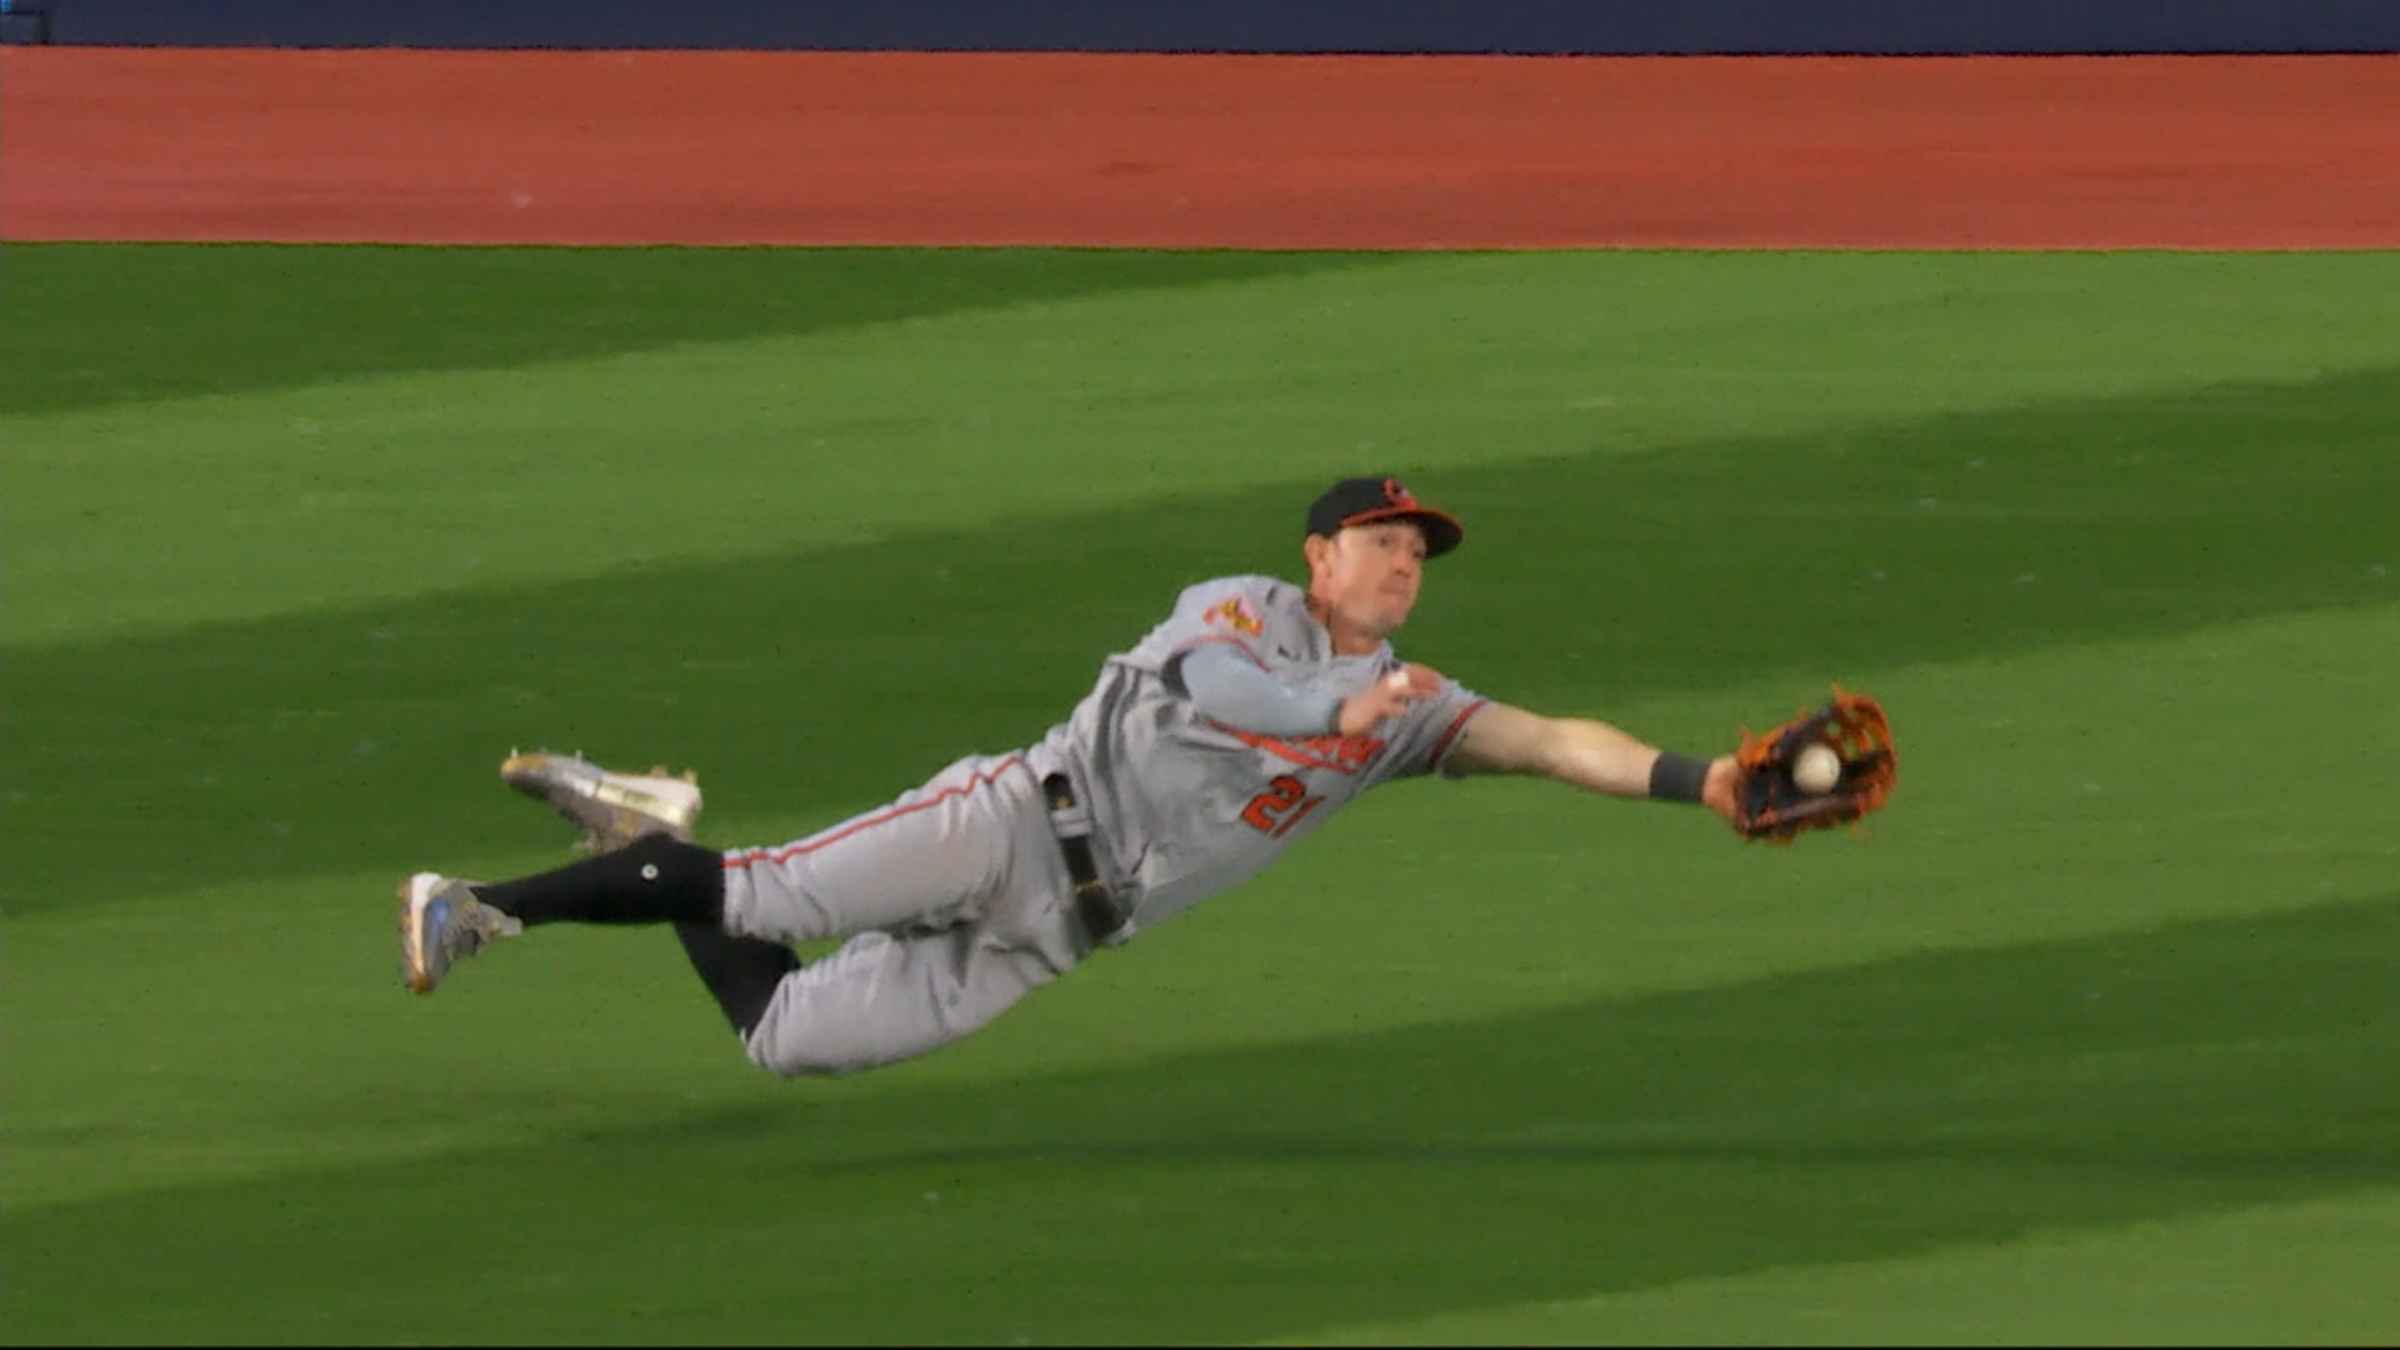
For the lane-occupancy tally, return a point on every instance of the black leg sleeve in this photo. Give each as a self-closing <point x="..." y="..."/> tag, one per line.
<point x="655" y="879"/>
<point x="741" y="971"/>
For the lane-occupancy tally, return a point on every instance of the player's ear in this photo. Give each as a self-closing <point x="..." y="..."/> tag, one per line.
<point x="1317" y="549"/>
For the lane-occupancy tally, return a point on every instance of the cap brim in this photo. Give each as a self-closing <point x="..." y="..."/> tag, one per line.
<point x="1442" y="532"/>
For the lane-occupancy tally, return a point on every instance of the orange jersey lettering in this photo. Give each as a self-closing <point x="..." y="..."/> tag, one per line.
<point x="1342" y="754"/>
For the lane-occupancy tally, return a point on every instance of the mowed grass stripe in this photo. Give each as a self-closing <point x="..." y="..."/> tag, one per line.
<point x="2049" y="1086"/>
<point x="258" y="747"/>
<point x="96" y="325"/>
<point x="271" y="499"/>
<point x="99" y="324"/>
<point x="2303" y="1274"/>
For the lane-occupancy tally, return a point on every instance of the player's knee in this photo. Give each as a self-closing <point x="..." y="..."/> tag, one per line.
<point x="785" y="1055"/>
<point x="786" y="1060"/>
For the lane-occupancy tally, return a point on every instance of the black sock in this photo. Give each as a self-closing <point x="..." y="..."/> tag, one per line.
<point x="741" y="971"/>
<point x="654" y="879"/>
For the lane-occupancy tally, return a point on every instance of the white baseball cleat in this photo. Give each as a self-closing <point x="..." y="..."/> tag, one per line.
<point x="612" y="809"/>
<point x="441" y="924"/>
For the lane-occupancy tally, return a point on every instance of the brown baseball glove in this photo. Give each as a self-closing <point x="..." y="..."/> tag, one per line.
<point x="1770" y="801"/>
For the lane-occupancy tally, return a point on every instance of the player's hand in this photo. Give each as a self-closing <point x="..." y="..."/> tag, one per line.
<point x="1386" y="698"/>
<point x="1717" y="789"/>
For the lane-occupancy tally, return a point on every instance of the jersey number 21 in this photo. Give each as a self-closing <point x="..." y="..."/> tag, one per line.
<point x="1280" y="807"/>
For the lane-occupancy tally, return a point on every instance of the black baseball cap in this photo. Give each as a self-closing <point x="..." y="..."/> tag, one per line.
<point x="1363" y="501"/>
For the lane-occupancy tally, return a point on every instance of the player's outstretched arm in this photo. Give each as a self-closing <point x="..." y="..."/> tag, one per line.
<point x="1590" y="755"/>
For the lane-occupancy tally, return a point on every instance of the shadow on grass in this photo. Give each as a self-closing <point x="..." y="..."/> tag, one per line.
<point x="814" y="683"/>
<point x="87" y="325"/>
<point x="1844" y="1115"/>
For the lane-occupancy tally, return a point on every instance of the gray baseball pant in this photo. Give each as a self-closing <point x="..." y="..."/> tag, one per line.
<point x="956" y="904"/>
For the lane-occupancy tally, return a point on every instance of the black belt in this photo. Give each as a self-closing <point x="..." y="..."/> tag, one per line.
<point x="1101" y="914"/>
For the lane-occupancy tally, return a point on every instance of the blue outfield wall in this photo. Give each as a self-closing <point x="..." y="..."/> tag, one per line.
<point x="1551" y="26"/>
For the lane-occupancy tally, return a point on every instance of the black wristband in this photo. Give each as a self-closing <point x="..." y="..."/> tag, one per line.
<point x="1677" y="778"/>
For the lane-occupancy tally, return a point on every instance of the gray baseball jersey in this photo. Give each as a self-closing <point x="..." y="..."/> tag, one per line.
<point x="954" y="897"/>
<point x="1186" y="807"/>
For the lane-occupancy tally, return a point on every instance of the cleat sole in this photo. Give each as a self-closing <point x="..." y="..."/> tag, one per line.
<point x="413" y="972"/>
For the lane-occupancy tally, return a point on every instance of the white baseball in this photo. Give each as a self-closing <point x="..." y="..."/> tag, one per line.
<point x="1817" y="769"/>
<point x="1397" y="680"/>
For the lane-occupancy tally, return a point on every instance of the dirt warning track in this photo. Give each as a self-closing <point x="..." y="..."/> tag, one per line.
<point x="1199" y="151"/>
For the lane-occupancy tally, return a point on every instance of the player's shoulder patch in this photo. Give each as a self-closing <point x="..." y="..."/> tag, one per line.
<point x="1236" y="605"/>
<point x="1236" y="612"/>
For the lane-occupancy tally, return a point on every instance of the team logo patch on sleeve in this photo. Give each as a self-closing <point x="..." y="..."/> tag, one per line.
<point x="1236" y="615"/>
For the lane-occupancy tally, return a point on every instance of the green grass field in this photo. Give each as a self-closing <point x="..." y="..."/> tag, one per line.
<point x="2088" y="1040"/>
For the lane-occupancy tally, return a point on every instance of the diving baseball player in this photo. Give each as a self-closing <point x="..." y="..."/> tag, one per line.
<point x="1229" y="733"/>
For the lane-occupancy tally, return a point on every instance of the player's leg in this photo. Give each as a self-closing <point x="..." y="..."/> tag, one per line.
<point x="938" y="855"/>
<point x="972" y="847"/>
<point x="614" y="809"/>
<point x="443" y="920"/>
<point x="741" y="973"/>
<point x="964" y="898"/>
<point x="655" y="879"/>
<point x="883" y="998"/>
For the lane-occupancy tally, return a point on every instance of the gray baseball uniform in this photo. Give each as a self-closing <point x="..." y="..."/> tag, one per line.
<point x="956" y="899"/>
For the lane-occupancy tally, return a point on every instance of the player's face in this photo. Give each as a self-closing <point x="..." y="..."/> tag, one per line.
<point x="1368" y="575"/>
